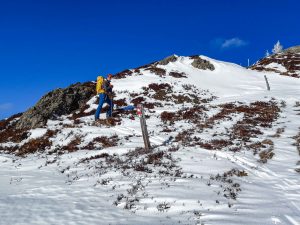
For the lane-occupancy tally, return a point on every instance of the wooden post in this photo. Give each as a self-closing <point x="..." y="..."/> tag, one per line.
<point x="267" y="82"/>
<point x="141" y="114"/>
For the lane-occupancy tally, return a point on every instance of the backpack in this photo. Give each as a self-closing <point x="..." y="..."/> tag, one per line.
<point x="99" y="85"/>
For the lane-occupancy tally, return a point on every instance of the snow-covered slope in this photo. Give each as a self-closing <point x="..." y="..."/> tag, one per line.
<point x="225" y="151"/>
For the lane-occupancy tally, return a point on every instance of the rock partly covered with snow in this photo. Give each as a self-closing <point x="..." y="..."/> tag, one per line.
<point x="61" y="101"/>
<point x="286" y="63"/>
<point x="168" y="59"/>
<point x="202" y="64"/>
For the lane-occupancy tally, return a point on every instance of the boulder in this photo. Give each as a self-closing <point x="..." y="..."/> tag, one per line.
<point x="167" y="60"/>
<point x="202" y="64"/>
<point x="57" y="103"/>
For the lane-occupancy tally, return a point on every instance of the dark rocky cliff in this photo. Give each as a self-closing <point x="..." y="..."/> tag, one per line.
<point x="61" y="101"/>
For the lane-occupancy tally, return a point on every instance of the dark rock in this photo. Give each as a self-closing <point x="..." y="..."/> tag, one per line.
<point x="157" y="71"/>
<point x="57" y="103"/>
<point x="202" y="64"/>
<point x="165" y="61"/>
<point x="295" y="49"/>
<point x="177" y="74"/>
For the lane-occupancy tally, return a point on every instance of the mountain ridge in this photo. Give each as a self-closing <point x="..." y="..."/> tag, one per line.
<point x="285" y="63"/>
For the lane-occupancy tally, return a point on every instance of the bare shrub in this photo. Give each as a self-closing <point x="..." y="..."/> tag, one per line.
<point x="6" y="122"/>
<point x="104" y="141"/>
<point x="157" y="71"/>
<point x="266" y="155"/>
<point x="138" y="100"/>
<point x="73" y="145"/>
<point x="120" y="102"/>
<point x="163" y="207"/>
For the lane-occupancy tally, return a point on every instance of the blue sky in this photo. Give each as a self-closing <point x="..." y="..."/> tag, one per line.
<point x="46" y="44"/>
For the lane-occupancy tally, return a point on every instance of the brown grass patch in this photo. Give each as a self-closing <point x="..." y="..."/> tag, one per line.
<point x="104" y="141"/>
<point x="73" y="145"/>
<point x="138" y="100"/>
<point x="38" y="144"/>
<point x="193" y="114"/>
<point x="157" y="71"/>
<point x="6" y="122"/>
<point x="120" y="102"/>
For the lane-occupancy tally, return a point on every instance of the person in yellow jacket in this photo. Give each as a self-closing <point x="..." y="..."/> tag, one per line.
<point x="104" y="90"/>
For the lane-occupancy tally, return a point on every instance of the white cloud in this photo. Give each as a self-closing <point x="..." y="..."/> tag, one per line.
<point x="6" y="106"/>
<point x="233" y="43"/>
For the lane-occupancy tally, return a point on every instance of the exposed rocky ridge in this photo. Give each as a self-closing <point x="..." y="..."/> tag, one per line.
<point x="56" y="103"/>
<point x="167" y="60"/>
<point x="286" y="63"/>
<point x="295" y="49"/>
<point x="202" y="64"/>
<point x="198" y="63"/>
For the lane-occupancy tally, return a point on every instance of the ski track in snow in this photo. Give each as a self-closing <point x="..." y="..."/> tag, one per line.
<point x="34" y="192"/>
<point x="284" y="191"/>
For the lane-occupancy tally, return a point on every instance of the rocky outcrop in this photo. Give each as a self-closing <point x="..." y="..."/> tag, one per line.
<point x="285" y="63"/>
<point x="166" y="61"/>
<point x="295" y="49"/>
<point x="57" y="103"/>
<point x="202" y="64"/>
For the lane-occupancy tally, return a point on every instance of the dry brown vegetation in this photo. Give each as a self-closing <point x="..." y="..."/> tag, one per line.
<point x="120" y="102"/>
<point x="138" y="100"/>
<point x="256" y="115"/>
<point x="6" y="122"/>
<point x="230" y="188"/>
<point x="103" y="141"/>
<point x="73" y="144"/>
<point x="38" y="144"/>
<point x="140" y="160"/>
<point x="291" y="61"/>
<point x="123" y="74"/>
<point x="11" y="134"/>
<point x="8" y="131"/>
<point x="157" y="71"/>
<point x="165" y="92"/>
<point x="193" y="114"/>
